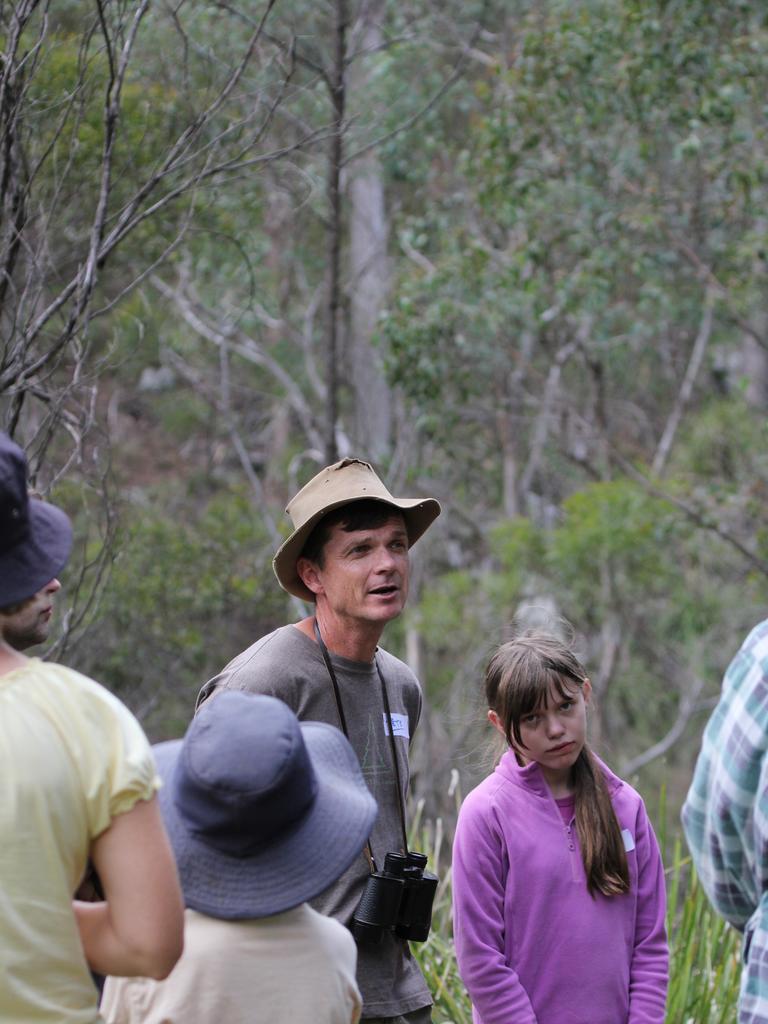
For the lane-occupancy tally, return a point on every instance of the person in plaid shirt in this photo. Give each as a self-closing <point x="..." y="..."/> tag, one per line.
<point x="725" y="815"/>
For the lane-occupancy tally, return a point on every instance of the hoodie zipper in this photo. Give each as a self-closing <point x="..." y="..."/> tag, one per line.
<point x="571" y="843"/>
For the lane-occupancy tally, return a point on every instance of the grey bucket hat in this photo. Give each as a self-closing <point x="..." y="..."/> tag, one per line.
<point x="35" y="537"/>
<point x="263" y="812"/>
<point x="341" y="484"/>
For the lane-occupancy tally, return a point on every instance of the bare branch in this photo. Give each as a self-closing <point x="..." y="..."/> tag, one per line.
<point x="705" y="273"/>
<point x="700" y="517"/>
<point x="201" y="322"/>
<point x="409" y="122"/>
<point x="245" y="462"/>
<point x="541" y="429"/>
<point x="686" y="388"/>
<point x="18" y="369"/>
<point x="703" y="518"/>
<point x="688" y="705"/>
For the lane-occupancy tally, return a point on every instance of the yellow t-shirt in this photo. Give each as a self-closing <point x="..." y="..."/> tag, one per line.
<point x="72" y="757"/>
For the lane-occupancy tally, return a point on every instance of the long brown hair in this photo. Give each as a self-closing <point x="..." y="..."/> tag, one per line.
<point x="517" y="682"/>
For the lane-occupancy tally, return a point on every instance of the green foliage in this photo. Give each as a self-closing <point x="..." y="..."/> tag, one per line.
<point x="725" y="442"/>
<point x="519" y="548"/>
<point x="705" y="960"/>
<point x="182" y="413"/>
<point x="444" y="610"/>
<point x="618" y="523"/>
<point x="192" y="592"/>
<point x="611" y="143"/>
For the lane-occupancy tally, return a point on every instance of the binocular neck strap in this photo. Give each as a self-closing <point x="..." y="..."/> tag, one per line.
<point x="345" y="730"/>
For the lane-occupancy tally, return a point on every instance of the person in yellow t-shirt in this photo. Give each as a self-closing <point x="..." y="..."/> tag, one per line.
<point x="79" y="782"/>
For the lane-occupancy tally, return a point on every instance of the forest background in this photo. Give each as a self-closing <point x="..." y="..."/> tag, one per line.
<point x="513" y="253"/>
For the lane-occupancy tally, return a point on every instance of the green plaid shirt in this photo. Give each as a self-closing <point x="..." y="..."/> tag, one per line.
<point x="725" y="815"/>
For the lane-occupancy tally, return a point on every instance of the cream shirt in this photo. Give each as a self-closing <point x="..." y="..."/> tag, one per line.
<point x="296" y="967"/>
<point x="72" y="757"/>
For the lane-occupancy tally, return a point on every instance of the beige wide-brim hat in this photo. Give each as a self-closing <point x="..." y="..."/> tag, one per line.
<point x="341" y="484"/>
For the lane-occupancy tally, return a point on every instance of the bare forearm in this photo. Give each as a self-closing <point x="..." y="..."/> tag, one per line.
<point x="109" y="952"/>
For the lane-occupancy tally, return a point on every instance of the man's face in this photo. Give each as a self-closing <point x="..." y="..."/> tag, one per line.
<point x="30" y="622"/>
<point x="364" y="575"/>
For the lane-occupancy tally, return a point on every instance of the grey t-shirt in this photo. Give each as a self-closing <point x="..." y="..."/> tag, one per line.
<point x="288" y="665"/>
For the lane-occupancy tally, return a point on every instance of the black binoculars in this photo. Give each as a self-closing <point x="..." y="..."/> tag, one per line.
<point x="398" y="898"/>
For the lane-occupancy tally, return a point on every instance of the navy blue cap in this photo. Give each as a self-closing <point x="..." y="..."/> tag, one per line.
<point x="35" y="537"/>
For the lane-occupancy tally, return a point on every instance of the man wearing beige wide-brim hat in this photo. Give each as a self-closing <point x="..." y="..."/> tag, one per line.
<point x="348" y="555"/>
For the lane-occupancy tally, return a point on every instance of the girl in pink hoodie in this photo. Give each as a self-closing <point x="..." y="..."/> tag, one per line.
<point x="558" y="885"/>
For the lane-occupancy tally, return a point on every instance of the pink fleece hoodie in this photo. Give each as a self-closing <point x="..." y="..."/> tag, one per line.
<point x="533" y="946"/>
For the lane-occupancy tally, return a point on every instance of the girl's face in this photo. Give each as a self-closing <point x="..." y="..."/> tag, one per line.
<point x="554" y="733"/>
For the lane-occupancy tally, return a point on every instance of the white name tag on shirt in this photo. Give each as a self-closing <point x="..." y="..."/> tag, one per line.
<point x="399" y="725"/>
<point x="629" y="842"/>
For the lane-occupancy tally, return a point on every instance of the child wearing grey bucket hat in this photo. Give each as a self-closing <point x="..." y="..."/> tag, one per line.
<point x="264" y="813"/>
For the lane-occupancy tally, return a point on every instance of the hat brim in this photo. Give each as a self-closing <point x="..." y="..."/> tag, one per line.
<point x="296" y="866"/>
<point x="39" y="557"/>
<point x="418" y="514"/>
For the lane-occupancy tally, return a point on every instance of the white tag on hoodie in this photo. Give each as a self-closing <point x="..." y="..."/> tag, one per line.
<point x="399" y="725"/>
<point x="629" y="842"/>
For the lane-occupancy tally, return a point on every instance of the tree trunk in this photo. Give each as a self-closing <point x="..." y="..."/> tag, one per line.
<point x="755" y="368"/>
<point x="338" y="98"/>
<point x="369" y="269"/>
